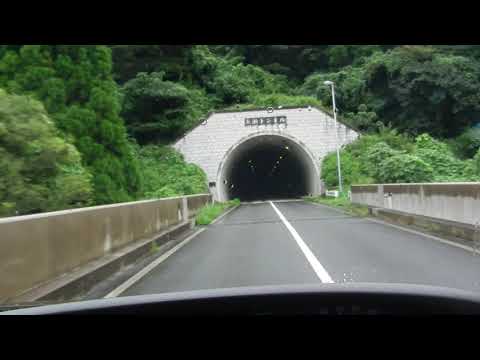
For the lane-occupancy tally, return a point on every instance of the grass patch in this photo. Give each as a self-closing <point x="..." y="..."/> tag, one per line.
<point x="155" y="247"/>
<point x="342" y="203"/>
<point x="210" y="212"/>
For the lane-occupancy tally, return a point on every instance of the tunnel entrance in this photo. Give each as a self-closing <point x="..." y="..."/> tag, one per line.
<point x="268" y="167"/>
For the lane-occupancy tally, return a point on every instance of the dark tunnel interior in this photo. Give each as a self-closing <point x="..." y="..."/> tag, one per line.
<point x="267" y="168"/>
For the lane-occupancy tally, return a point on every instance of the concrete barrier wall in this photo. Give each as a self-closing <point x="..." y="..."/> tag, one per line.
<point x="368" y="195"/>
<point x="458" y="202"/>
<point x="195" y="203"/>
<point x="38" y="248"/>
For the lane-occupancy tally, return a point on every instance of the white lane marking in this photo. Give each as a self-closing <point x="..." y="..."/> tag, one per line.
<point x="317" y="267"/>
<point x="138" y="276"/>
<point x="224" y="214"/>
<point x="428" y="236"/>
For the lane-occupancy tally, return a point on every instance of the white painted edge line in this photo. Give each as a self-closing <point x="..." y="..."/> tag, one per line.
<point x="317" y="267"/>
<point x="142" y="273"/>
<point x="416" y="232"/>
<point x="224" y="214"/>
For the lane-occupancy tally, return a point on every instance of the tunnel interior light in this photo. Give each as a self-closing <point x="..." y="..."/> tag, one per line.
<point x="262" y="153"/>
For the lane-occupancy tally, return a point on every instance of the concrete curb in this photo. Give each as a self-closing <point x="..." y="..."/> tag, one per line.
<point x="81" y="280"/>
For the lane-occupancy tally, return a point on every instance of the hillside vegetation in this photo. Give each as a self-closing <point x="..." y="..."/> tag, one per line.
<point x="90" y="124"/>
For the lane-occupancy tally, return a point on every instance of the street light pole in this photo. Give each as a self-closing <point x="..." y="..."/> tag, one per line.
<point x="332" y="85"/>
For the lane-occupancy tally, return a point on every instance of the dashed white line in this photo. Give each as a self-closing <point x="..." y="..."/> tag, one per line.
<point x="314" y="263"/>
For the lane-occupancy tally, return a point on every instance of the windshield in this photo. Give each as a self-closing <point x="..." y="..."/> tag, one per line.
<point x="149" y="169"/>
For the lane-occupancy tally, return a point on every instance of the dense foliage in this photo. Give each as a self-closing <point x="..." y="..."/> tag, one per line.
<point x="153" y="108"/>
<point x="388" y="157"/>
<point x="117" y="107"/>
<point x="75" y="84"/>
<point x="210" y="212"/>
<point x="166" y="174"/>
<point x="129" y="60"/>
<point x="415" y="88"/>
<point x="39" y="171"/>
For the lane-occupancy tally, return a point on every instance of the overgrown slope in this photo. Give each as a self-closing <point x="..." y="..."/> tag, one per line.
<point x="118" y="107"/>
<point x="39" y="170"/>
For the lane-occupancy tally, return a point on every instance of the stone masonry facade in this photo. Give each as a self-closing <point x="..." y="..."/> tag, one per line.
<point x="207" y="144"/>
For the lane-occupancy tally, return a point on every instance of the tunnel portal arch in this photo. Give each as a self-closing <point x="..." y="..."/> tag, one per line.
<point x="285" y="169"/>
<point x="221" y="139"/>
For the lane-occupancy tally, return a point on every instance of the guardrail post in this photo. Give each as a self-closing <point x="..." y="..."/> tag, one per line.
<point x="381" y="200"/>
<point x="422" y="199"/>
<point x="185" y="214"/>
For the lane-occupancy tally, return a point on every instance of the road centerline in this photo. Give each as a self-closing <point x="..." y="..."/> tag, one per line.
<point x="313" y="261"/>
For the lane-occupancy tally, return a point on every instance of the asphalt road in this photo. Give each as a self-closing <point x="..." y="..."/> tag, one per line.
<point x="252" y="246"/>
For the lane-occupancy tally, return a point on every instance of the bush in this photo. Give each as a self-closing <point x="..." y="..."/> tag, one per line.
<point x="210" y="212"/>
<point x="468" y="143"/>
<point x="166" y="174"/>
<point x="472" y="168"/>
<point x="391" y="157"/>
<point x="164" y="192"/>
<point x="375" y="155"/>
<point x="276" y="100"/>
<point x="39" y="171"/>
<point x="404" y="168"/>
<point x="439" y="156"/>
<point x="385" y="134"/>
<point x="350" y="169"/>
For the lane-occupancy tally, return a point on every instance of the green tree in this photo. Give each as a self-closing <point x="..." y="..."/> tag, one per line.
<point x="230" y="81"/>
<point x="375" y="156"/>
<point x="405" y="168"/>
<point x="416" y="88"/>
<point x="39" y="170"/>
<point x="445" y="165"/>
<point x="476" y="164"/>
<point x="468" y="142"/>
<point x="75" y="84"/>
<point x="166" y="173"/>
<point x="349" y="165"/>
<point x="129" y="60"/>
<point x="153" y="108"/>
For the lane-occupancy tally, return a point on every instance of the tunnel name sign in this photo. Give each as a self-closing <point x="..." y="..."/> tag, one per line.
<point x="272" y="120"/>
